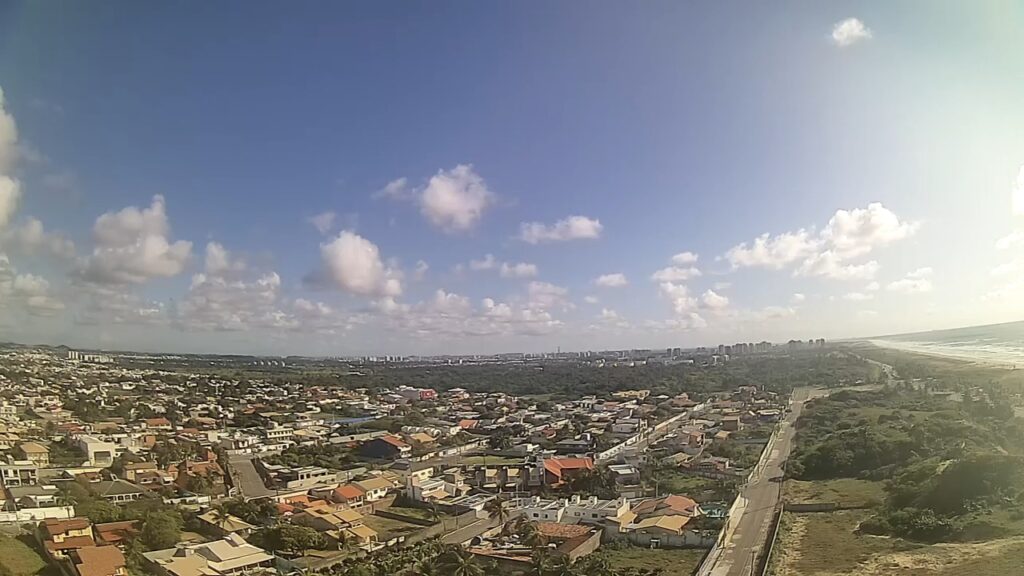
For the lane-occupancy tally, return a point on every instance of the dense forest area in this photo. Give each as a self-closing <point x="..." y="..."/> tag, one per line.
<point x="571" y="380"/>
<point x="952" y="465"/>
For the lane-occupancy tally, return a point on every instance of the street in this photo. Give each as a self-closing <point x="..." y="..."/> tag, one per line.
<point x="752" y="520"/>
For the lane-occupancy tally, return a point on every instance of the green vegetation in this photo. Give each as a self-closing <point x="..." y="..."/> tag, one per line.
<point x="290" y="539"/>
<point x="827" y="543"/>
<point x="845" y="492"/>
<point x="951" y="469"/>
<point x="667" y="562"/>
<point x="20" y="559"/>
<point x="326" y="456"/>
<point x="669" y="480"/>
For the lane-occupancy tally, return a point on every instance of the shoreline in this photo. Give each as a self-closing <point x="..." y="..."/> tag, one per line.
<point x="949" y="353"/>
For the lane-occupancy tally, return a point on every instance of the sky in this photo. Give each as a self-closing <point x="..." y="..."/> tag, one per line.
<point x="326" y="178"/>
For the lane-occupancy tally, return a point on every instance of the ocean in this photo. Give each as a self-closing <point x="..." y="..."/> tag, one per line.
<point x="996" y="343"/>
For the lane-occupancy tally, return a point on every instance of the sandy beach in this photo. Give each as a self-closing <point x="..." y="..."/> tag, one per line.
<point x="981" y="354"/>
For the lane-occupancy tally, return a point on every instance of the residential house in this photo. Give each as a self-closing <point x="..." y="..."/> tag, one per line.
<point x="99" y="561"/>
<point x="61" y="537"/>
<point x="229" y="524"/>
<point x="116" y="533"/>
<point x="375" y="488"/>
<point x="348" y="494"/>
<point x="558" y="471"/>
<point x="118" y="491"/>
<point x="18" y="473"/>
<point x="35" y="453"/>
<point x="230" y="555"/>
<point x="385" y="447"/>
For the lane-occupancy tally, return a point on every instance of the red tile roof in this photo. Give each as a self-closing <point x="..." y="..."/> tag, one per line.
<point x="349" y="491"/>
<point x="394" y="441"/>
<point x="54" y="526"/>
<point x="99" y="561"/>
<point x="557" y="465"/>
<point x="70" y="543"/>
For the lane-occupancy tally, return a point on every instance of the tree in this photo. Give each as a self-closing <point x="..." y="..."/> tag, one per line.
<point x="460" y="562"/>
<point x="497" y="509"/>
<point x="531" y="535"/>
<point x="540" y="563"/>
<point x="161" y="530"/>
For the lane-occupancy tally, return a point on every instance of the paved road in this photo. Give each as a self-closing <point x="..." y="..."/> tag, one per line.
<point x="752" y="520"/>
<point x="247" y="479"/>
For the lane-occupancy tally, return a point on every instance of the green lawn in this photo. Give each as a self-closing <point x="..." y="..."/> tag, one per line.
<point x="421" y="513"/>
<point x="843" y="491"/>
<point x="21" y="559"/>
<point x="671" y="562"/>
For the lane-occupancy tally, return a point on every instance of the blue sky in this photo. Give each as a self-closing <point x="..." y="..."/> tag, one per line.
<point x="665" y="128"/>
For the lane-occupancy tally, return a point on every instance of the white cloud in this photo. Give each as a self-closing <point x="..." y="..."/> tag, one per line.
<point x="857" y="296"/>
<point x="571" y="228"/>
<point x="591" y="299"/>
<point x="797" y="298"/>
<point x="324" y="221"/>
<point x="872" y="286"/>
<point x="1017" y="196"/>
<point x="32" y="238"/>
<point x="609" y="314"/>
<point x="849" y="234"/>
<point x="543" y="295"/>
<point x="8" y="137"/>
<point x="354" y="264"/>
<point x="849" y="31"/>
<point x="675" y="274"/>
<point x="915" y="282"/>
<point x="132" y="247"/>
<point x="772" y="251"/>
<point x="217" y="303"/>
<point x="679" y="296"/>
<point x="421" y="270"/>
<point x="518" y="270"/>
<point x="685" y="259"/>
<point x="616" y="280"/>
<point x="1008" y="268"/>
<point x="852" y="233"/>
<point x="1012" y="240"/>
<point x="455" y="200"/>
<point x="487" y="263"/>
<point x="27" y="292"/>
<point x="714" y="300"/>
<point x="219" y="261"/>
<point x="10" y="194"/>
<point x="397" y="189"/>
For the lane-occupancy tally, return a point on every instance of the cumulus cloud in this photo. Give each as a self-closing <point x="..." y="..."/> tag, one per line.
<point x="591" y="299"/>
<point x="219" y="261"/>
<point x="679" y="296"/>
<point x="685" y="259"/>
<point x="675" y="274"/>
<point x="797" y="298"/>
<point x="915" y="282"/>
<point x="714" y="300"/>
<point x="397" y="189"/>
<point x="571" y="228"/>
<point x="488" y="262"/>
<point x="354" y="264"/>
<point x="324" y="221"/>
<point x="848" y="32"/>
<point x="543" y="295"/>
<point x="132" y="247"/>
<point x="848" y="235"/>
<point x="10" y="195"/>
<point x="518" y="270"/>
<point x="616" y="280"/>
<point x="455" y="200"/>
<point x="1012" y="240"/>
<point x="27" y="292"/>
<point x="857" y="296"/>
<point x="8" y="137"/>
<point x="32" y="238"/>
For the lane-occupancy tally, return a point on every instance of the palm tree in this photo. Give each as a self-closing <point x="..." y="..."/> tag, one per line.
<point x="532" y="536"/>
<point x="460" y="562"/>
<point x="220" y="515"/>
<point x="540" y="563"/>
<point x="496" y="509"/>
<point x="66" y="498"/>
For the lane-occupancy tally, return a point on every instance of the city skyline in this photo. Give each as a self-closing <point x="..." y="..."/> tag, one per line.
<point x="360" y="182"/>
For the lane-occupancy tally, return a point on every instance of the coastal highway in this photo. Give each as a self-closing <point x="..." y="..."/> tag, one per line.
<point x="749" y="528"/>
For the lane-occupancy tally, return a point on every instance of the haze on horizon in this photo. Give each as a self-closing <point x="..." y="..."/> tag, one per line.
<point x="392" y="178"/>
